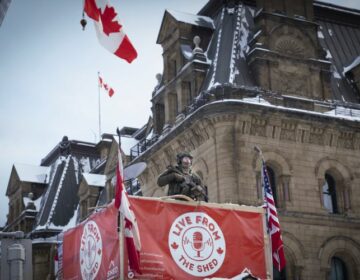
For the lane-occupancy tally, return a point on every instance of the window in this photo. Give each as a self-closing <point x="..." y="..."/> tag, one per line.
<point x="272" y="178"/>
<point x="329" y="194"/>
<point x="338" y="269"/>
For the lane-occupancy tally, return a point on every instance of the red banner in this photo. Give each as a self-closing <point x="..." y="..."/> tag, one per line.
<point x="91" y="250"/>
<point x="191" y="241"/>
<point x="180" y="240"/>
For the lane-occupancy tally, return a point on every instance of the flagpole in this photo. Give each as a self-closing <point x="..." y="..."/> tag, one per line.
<point x="99" y="86"/>
<point x="121" y="229"/>
<point x="270" y="271"/>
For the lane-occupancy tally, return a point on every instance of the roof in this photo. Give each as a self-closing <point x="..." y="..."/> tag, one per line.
<point x="227" y="51"/>
<point x="96" y="180"/>
<point x="234" y="30"/>
<point x="32" y="173"/>
<point x="354" y="64"/>
<point x="192" y="19"/>
<point x="60" y="201"/>
<point x="342" y="44"/>
<point x="199" y="21"/>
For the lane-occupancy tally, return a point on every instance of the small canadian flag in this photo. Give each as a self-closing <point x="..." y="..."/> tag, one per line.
<point x="105" y="86"/>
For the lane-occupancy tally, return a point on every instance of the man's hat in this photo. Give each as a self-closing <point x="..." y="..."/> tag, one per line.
<point x="181" y="155"/>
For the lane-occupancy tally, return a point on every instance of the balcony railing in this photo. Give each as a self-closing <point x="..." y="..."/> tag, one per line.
<point x="255" y="95"/>
<point x="142" y="146"/>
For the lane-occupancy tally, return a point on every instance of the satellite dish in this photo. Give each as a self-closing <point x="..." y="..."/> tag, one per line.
<point x="134" y="170"/>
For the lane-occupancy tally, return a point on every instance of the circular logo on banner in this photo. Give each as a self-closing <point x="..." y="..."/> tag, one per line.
<point x="90" y="251"/>
<point x="197" y="244"/>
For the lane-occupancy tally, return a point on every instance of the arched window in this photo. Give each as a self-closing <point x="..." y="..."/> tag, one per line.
<point x="272" y="178"/>
<point x="329" y="194"/>
<point x="338" y="269"/>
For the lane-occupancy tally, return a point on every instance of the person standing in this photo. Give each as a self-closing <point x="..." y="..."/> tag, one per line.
<point x="182" y="180"/>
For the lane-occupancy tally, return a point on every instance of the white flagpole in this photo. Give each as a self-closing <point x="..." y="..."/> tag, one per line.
<point x="99" y="86"/>
<point x="121" y="245"/>
<point x="121" y="229"/>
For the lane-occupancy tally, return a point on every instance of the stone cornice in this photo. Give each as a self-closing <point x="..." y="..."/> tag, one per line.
<point x="292" y="125"/>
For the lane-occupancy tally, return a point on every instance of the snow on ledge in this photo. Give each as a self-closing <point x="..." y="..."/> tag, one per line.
<point x="96" y="180"/>
<point x="338" y="113"/>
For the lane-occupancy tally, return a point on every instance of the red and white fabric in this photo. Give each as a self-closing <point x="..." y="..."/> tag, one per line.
<point x="106" y="87"/>
<point x="131" y="230"/>
<point x="273" y="224"/>
<point x="109" y="30"/>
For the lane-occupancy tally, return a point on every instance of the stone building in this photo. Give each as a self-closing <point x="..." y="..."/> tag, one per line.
<point x="43" y="200"/>
<point x="280" y="75"/>
<point x="72" y="180"/>
<point x="283" y="76"/>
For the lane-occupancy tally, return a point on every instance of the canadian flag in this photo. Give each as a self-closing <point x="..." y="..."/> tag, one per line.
<point x="131" y="230"/>
<point x="109" y="30"/>
<point x="109" y="90"/>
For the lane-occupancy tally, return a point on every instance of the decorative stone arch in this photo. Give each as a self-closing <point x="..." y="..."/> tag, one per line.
<point x="294" y="254"/>
<point x="282" y="169"/>
<point x="343" y="178"/>
<point x="346" y="249"/>
<point x="201" y="168"/>
<point x="291" y="40"/>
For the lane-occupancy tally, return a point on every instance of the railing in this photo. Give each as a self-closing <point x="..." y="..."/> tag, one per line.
<point x="142" y="146"/>
<point x="257" y="96"/>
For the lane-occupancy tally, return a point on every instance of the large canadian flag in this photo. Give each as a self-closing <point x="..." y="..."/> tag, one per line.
<point x="109" y="30"/>
<point x="131" y="230"/>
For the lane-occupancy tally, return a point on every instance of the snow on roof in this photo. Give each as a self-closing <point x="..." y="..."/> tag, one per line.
<point x="192" y="19"/>
<point x="32" y="173"/>
<point x="51" y="226"/>
<point x="96" y="180"/>
<point x="355" y="63"/>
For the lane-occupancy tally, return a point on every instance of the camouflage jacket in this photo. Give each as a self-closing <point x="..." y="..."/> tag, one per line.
<point x="181" y="183"/>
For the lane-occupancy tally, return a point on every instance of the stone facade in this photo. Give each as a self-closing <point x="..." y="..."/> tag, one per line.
<point x="307" y="151"/>
<point x="300" y="150"/>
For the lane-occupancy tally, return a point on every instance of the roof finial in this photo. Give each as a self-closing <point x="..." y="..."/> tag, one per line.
<point x="197" y="41"/>
<point x="198" y="52"/>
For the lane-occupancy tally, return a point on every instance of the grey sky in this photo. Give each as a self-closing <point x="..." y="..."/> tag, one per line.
<point x="48" y="76"/>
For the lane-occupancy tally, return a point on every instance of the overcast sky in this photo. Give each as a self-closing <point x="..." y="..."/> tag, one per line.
<point x="48" y="76"/>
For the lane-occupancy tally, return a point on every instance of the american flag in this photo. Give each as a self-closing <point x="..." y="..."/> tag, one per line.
<point x="273" y="222"/>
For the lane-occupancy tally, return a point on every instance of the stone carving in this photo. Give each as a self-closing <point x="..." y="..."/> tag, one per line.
<point x="258" y="127"/>
<point x="317" y="136"/>
<point x="290" y="46"/>
<point x="288" y="131"/>
<point x="346" y="140"/>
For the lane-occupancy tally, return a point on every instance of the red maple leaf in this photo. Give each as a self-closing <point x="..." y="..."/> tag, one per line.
<point x="220" y="251"/>
<point x="107" y="17"/>
<point x="174" y="245"/>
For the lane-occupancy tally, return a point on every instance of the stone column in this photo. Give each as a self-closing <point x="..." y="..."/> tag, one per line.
<point x="16" y="258"/>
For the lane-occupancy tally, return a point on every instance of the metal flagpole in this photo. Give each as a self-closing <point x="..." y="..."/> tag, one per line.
<point x="99" y="86"/>
<point x="268" y="237"/>
<point x="121" y="229"/>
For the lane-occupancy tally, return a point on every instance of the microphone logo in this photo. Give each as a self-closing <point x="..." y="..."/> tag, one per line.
<point x="198" y="244"/>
